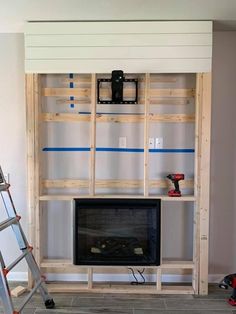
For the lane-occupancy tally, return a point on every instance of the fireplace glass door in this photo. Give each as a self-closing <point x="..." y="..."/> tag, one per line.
<point x="117" y="232"/>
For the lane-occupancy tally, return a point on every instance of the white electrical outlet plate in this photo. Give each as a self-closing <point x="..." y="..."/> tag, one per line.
<point x="151" y="143"/>
<point x="122" y="142"/>
<point x="159" y="142"/>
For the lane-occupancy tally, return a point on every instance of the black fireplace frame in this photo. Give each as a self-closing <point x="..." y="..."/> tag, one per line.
<point x="109" y="203"/>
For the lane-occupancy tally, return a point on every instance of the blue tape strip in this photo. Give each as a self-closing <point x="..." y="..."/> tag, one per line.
<point x="66" y="149"/>
<point x="71" y="76"/>
<point x="111" y="149"/>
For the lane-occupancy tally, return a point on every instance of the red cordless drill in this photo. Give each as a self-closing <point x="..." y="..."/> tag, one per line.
<point x="230" y="281"/>
<point x="175" y="178"/>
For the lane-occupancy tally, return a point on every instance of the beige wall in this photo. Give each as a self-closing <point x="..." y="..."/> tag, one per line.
<point x="223" y="155"/>
<point x="223" y="166"/>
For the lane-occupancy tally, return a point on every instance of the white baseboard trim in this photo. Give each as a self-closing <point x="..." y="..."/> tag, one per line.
<point x="23" y="276"/>
<point x="17" y="276"/>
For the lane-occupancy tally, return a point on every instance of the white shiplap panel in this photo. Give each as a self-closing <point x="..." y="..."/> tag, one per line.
<point x="139" y="27"/>
<point x="130" y="46"/>
<point x="119" y="40"/>
<point x="118" y="52"/>
<point x="127" y="65"/>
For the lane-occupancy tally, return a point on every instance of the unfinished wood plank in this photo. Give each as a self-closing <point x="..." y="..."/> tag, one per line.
<point x="30" y="131"/>
<point x="171" y="264"/>
<point x="93" y="136"/>
<point x="158" y="279"/>
<point x="70" y="197"/>
<point x="113" y="118"/>
<point x="90" y="278"/>
<point x="119" y="288"/>
<point x="157" y="101"/>
<point x="33" y="103"/>
<point x="146" y="136"/>
<point x="159" y="183"/>
<point x="198" y="126"/>
<point x="38" y="192"/>
<point x="204" y="196"/>
<point x="106" y="93"/>
<point x="18" y="291"/>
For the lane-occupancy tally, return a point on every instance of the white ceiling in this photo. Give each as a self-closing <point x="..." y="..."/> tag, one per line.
<point x="14" y="13"/>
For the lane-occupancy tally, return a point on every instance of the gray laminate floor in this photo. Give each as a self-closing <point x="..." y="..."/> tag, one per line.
<point x="87" y="303"/>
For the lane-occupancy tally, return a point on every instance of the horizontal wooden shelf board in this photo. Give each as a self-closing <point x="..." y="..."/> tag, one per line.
<point x="67" y="264"/>
<point x="67" y="183"/>
<point x="66" y="197"/>
<point x="117" y="288"/>
<point x="105" y="93"/>
<point x="119" y="118"/>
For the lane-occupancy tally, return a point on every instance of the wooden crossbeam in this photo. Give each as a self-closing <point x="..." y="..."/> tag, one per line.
<point x="106" y="93"/>
<point x="72" y="117"/>
<point x="153" y="79"/>
<point x="68" y="183"/>
<point x="157" y="101"/>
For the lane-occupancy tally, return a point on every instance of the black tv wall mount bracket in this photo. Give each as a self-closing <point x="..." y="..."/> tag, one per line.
<point x="117" y="81"/>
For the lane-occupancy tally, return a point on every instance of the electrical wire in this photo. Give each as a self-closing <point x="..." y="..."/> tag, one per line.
<point x="137" y="282"/>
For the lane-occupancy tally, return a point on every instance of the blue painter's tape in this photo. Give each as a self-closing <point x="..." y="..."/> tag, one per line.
<point x="66" y="149"/>
<point x="113" y="149"/>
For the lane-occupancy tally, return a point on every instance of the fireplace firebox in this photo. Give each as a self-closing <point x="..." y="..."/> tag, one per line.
<point x="117" y="231"/>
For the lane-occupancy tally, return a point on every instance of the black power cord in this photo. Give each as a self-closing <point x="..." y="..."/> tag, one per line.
<point x="137" y="282"/>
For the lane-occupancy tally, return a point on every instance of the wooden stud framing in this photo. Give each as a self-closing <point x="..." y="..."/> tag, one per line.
<point x="72" y="117"/>
<point x="161" y="183"/>
<point x="204" y="181"/>
<point x="149" y="95"/>
<point x="146" y="136"/>
<point x="93" y="136"/>
<point x="86" y="92"/>
<point x="32" y="111"/>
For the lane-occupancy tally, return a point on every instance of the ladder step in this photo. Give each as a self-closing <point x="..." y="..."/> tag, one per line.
<point x="8" y="222"/>
<point x="4" y="187"/>
<point x="29" y="296"/>
<point x="13" y="264"/>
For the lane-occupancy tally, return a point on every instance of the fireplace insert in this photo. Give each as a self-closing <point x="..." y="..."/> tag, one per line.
<point x="117" y="231"/>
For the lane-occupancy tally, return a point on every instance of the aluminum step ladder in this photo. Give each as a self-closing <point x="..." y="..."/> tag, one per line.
<point x="14" y="221"/>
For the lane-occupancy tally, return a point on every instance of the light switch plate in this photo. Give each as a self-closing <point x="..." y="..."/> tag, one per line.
<point x="122" y="142"/>
<point x="151" y="143"/>
<point x="159" y="143"/>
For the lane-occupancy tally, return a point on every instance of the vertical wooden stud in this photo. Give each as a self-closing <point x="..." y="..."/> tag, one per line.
<point x="146" y="133"/>
<point x="198" y="102"/>
<point x="90" y="278"/>
<point x="204" y="181"/>
<point x="158" y="278"/>
<point x="93" y="136"/>
<point x="32" y="117"/>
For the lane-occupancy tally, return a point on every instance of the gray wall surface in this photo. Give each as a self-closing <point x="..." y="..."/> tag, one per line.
<point x="223" y="157"/>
